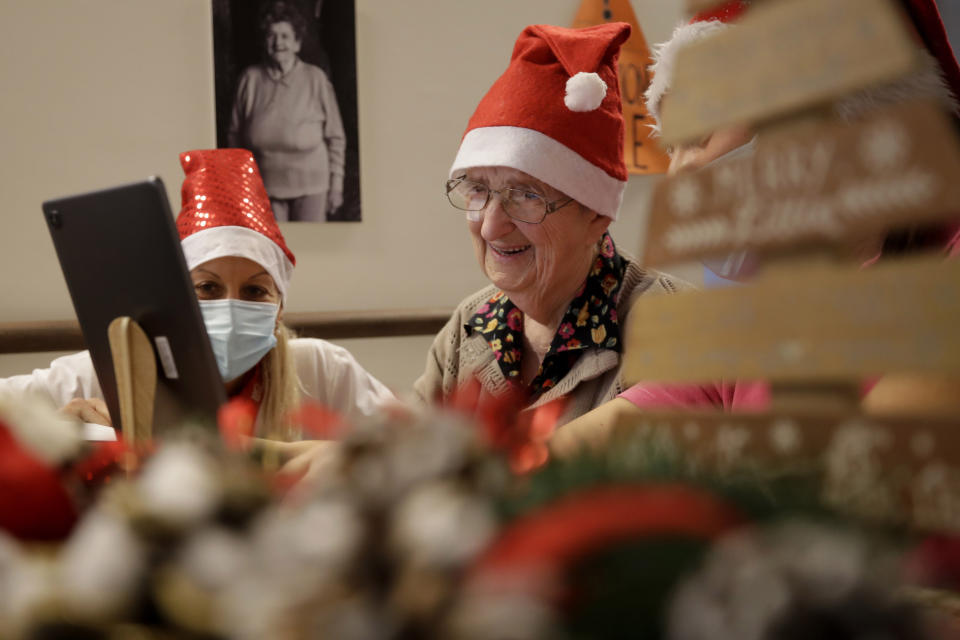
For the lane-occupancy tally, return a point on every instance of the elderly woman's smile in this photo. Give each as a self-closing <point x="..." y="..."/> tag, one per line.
<point x="282" y="44"/>
<point x="539" y="266"/>
<point x="507" y="252"/>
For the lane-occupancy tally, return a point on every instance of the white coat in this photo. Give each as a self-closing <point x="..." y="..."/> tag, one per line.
<point x="328" y="374"/>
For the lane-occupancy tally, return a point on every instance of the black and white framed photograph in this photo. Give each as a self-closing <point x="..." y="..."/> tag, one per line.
<point x="286" y="89"/>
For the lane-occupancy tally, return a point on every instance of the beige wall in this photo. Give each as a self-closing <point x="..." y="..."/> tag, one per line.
<point x="107" y="91"/>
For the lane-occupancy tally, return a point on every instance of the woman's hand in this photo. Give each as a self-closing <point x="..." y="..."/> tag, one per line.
<point x="315" y="459"/>
<point x="592" y="430"/>
<point x="913" y="394"/>
<point x="88" y="410"/>
<point x="334" y="200"/>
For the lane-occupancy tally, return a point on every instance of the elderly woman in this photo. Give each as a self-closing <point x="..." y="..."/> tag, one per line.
<point x="540" y="175"/>
<point x="286" y="112"/>
<point x="241" y="269"/>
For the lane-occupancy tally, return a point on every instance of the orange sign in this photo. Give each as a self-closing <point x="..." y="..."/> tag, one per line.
<point x="642" y="152"/>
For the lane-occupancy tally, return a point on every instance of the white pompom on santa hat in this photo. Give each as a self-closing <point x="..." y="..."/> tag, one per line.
<point x="556" y="114"/>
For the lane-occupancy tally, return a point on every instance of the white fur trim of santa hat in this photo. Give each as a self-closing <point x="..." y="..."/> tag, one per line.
<point x="545" y="159"/>
<point x="664" y="61"/>
<point x="219" y="242"/>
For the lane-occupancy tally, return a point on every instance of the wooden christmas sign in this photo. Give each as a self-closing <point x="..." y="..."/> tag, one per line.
<point x="802" y="324"/>
<point x="810" y="327"/>
<point x="904" y="470"/>
<point x="781" y="57"/>
<point x="641" y="152"/>
<point x="830" y="184"/>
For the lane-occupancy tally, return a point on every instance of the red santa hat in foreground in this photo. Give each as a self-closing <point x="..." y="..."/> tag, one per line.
<point x="937" y="77"/>
<point x="556" y="114"/>
<point x="226" y="212"/>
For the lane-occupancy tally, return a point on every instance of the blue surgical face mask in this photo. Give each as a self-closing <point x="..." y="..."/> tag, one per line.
<point x="241" y="333"/>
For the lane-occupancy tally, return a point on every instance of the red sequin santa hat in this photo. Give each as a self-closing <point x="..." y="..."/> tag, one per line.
<point x="556" y="114"/>
<point x="226" y="212"/>
<point x="665" y="53"/>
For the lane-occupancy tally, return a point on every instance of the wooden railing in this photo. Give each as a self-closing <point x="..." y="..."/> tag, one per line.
<point x="65" y="335"/>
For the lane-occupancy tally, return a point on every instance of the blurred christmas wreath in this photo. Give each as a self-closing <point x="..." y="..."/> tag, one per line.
<point x="440" y="525"/>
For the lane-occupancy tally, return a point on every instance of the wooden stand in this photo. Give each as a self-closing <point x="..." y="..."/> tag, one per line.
<point x="136" y="371"/>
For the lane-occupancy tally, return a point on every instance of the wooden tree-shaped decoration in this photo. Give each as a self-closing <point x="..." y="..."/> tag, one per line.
<point x="813" y="322"/>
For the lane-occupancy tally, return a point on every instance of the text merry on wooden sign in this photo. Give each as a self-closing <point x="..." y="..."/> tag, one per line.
<point x="831" y="184"/>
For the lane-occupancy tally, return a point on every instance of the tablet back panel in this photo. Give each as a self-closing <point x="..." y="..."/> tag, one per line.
<point x="121" y="256"/>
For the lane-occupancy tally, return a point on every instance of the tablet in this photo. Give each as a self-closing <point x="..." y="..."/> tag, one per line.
<point x="120" y="255"/>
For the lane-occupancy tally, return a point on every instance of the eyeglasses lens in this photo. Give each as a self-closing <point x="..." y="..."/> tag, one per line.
<point x="520" y="205"/>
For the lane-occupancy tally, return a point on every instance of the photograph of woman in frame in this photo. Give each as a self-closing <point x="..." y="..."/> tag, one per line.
<point x="286" y="90"/>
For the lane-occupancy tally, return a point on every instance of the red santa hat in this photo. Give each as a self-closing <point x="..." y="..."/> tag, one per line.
<point x="665" y="54"/>
<point x="556" y="114"/>
<point x="226" y="212"/>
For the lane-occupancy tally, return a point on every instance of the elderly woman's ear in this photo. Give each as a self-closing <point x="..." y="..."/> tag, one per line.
<point x="598" y="223"/>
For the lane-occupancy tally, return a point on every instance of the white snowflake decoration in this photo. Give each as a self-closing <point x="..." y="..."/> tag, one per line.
<point x="731" y="441"/>
<point x="934" y="495"/>
<point x="884" y="147"/>
<point x="685" y="197"/>
<point x="854" y="474"/>
<point x="784" y="436"/>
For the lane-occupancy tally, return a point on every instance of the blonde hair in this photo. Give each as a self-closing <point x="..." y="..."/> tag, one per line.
<point x="281" y="388"/>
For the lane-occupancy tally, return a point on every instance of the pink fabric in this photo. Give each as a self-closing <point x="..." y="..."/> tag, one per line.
<point x="744" y="397"/>
<point x="728" y="396"/>
<point x="953" y="247"/>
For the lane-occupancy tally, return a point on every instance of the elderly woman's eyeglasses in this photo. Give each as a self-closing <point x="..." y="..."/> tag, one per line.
<point x="525" y="206"/>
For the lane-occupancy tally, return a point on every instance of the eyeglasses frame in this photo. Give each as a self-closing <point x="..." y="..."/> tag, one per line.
<point x="549" y="207"/>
